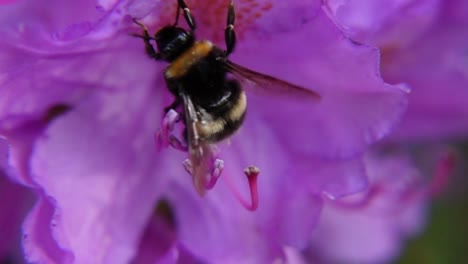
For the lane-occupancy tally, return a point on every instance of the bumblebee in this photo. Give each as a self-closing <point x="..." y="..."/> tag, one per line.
<point x="205" y="83"/>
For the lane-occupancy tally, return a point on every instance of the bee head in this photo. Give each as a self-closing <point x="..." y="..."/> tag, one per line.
<point x="172" y="41"/>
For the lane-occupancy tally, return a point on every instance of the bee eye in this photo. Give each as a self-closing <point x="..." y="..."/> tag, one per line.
<point x="172" y="41"/>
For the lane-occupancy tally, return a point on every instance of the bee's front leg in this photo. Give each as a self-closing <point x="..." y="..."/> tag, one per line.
<point x="146" y="38"/>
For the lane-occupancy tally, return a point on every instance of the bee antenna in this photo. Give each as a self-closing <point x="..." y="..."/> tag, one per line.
<point x="140" y="36"/>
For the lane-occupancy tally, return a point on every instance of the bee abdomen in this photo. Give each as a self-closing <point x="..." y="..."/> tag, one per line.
<point x="219" y="127"/>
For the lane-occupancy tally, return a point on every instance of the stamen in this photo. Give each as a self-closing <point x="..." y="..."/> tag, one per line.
<point x="163" y="137"/>
<point x="218" y="166"/>
<point x="252" y="173"/>
<point x="444" y="170"/>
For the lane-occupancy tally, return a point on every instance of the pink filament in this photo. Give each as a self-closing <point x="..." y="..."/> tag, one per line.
<point x="163" y="137"/>
<point x="252" y="173"/>
<point x="215" y="174"/>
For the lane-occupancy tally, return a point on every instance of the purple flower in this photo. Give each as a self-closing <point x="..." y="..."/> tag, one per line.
<point x="423" y="44"/>
<point x="80" y="102"/>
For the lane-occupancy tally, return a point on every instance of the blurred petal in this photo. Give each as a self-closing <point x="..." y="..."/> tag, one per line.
<point x="373" y="231"/>
<point x="31" y="14"/>
<point x="384" y="22"/>
<point x="423" y="44"/>
<point x="438" y="72"/>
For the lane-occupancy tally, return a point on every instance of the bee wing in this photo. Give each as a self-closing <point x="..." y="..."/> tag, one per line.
<point x="201" y="153"/>
<point x="268" y="85"/>
<point x="191" y="121"/>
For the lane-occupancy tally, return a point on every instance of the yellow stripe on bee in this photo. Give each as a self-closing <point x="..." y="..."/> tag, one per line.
<point x="238" y="109"/>
<point x="208" y="128"/>
<point x="186" y="60"/>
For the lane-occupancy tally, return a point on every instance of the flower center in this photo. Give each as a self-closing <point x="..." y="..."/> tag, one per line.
<point x="203" y="163"/>
<point x="211" y="15"/>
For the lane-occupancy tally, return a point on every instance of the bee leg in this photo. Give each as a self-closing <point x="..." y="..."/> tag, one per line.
<point x="146" y="38"/>
<point x="229" y="32"/>
<point x="187" y="14"/>
<point x="177" y="143"/>
<point x="164" y="137"/>
<point x="217" y="169"/>
<point x="188" y="166"/>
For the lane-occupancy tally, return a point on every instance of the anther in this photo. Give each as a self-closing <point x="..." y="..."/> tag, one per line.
<point x="252" y="173"/>
<point x="218" y="167"/>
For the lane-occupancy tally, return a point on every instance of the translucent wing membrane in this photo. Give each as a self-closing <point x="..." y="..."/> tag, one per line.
<point x="191" y="121"/>
<point x="263" y="84"/>
<point x="202" y="163"/>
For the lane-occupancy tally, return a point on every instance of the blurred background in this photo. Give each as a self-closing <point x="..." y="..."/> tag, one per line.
<point x="444" y="239"/>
